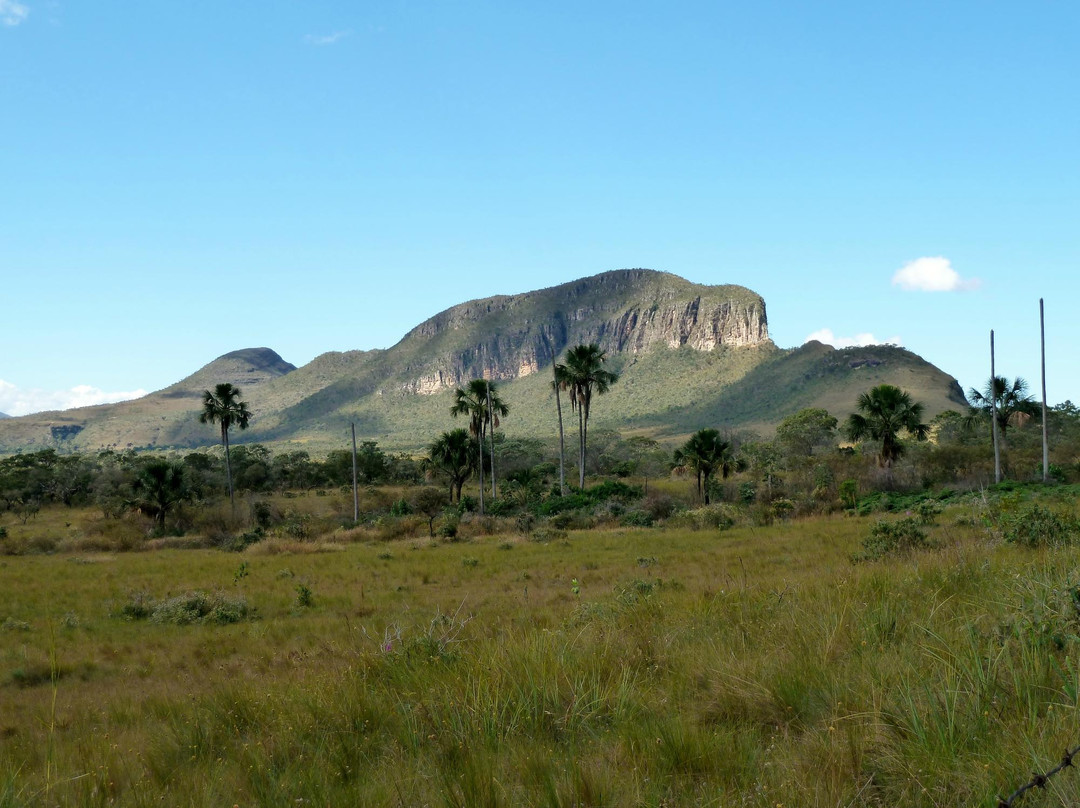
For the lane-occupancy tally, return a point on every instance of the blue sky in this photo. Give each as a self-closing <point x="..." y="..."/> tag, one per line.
<point x="180" y="180"/>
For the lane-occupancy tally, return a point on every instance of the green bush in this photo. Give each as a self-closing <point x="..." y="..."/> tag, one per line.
<point x="636" y="518"/>
<point x="186" y="609"/>
<point x="928" y="511"/>
<point x="201" y="607"/>
<point x="139" y="606"/>
<point x="590" y="497"/>
<point x="304" y="596"/>
<point x="710" y="517"/>
<point x="1037" y="526"/>
<point x="894" y="538"/>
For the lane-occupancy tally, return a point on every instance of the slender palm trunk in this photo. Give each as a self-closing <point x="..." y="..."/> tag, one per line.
<point x="705" y="488"/>
<point x="562" y="444"/>
<point x="480" y="445"/>
<point x="228" y="466"/>
<point x="581" y="446"/>
<point x="558" y="408"/>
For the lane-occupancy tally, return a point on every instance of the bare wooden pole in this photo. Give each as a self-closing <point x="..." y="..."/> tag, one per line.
<point x="491" y="422"/>
<point x="355" y="487"/>
<point x="993" y="412"/>
<point x="1042" y="341"/>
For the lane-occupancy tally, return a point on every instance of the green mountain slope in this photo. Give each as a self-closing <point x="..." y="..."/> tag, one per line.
<point x="689" y="356"/>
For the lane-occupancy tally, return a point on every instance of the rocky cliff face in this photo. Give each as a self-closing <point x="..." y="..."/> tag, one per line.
<point x="627" y="311"/>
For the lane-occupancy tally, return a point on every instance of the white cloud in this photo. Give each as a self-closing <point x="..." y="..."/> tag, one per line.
<point x="13" y="12"/>
<point x="14" y="401"/>
<point x="826" y="335"/>
<point x="932" y="275"/>
<point x="316" y="39"/>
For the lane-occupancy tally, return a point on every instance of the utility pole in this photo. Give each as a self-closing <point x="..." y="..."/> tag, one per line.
<point x="355" y="489"/>
<point x="491" y="424"/>
<point x="993" y="412"/>
<point x="1042" y="341"/>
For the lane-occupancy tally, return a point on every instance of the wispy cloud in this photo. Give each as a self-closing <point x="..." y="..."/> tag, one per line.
<point x="826" y="335"/>
<point x="15" y="401"/>
<point x="319" y="39"/>
<point x="13" y="12"/>
<point x="932" y="275"/>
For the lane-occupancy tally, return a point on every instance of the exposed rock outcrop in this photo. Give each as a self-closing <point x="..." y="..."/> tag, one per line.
<point x="626" y="311"/>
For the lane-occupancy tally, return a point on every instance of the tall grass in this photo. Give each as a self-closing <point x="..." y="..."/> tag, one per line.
<point x="749" y="667"/>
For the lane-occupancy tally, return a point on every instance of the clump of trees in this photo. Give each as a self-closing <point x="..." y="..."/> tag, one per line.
<point x="876" y="458"/>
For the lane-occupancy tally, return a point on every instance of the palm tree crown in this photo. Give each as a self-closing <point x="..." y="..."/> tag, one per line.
<point x="706" y="453"/>
<point x="454" y="455"/>
<point x="582" y="375"/>
<point x="885" y="412"/>
<point x="1009" y="398"/>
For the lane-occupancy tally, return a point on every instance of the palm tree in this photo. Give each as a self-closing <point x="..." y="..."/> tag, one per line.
<point x="583" y="375"/>
<point x="224" y="407"/>
<point x="481" y="403"/>
<point x="454" y="454"/>
<point x="558" y="408"/>
<point x="1009" y="399"/>
<point x="706" y="453"/>
<point x="885" y="412"/>
<point x="160" y="486"/>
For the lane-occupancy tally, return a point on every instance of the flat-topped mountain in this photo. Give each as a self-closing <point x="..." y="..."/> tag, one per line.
<point x="689" y="355"/>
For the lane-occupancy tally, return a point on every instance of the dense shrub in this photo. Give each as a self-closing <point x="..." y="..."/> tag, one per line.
<point x="201" y="607"/>
<point x="590" y="497"/>
<point x="711" y="517"/>
<point x="186" y="609"/>
<point x="1038" y="526"/>
<point x="893" y="538"/>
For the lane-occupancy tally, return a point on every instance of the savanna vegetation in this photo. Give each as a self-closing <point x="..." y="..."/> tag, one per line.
<point x="845" y="614"/>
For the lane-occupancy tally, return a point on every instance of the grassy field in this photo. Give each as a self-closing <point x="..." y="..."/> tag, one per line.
<point x="652" y="667"/>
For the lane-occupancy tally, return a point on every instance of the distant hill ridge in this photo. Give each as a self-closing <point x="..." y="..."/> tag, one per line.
<point x="689" y="355"/>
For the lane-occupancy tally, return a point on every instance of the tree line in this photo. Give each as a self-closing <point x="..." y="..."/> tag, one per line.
<point x="814" y="461"/>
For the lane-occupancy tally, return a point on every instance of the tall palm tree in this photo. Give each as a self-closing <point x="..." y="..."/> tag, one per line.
<point x="481" y="403"/>
<point x="885" y="413"/>
<point x="1009" y="399"/>
<point x="558" y="408"/>
<point x="584" y="375"/>
<point x="706" y="453"/>
<point x="454" y="454"/>
<point x="224" y="407"/>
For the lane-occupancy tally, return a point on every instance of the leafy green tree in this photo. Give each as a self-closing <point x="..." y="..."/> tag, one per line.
<point x="454" y="454"/>
<point x="224" y="407"/>
<point x="706" y="454"/>
<point x="295" y="470"/>
<point x="160" y="486"/>
<point x="583" y="376"/>
<point x="252" y="467"/>
<point x="1009" y="399"/>
<point x="481" y="403"/>
<point x="430" y="501"/>
<point x="766" y="461"/>
<point x="886" y="413"/>
<point x="807" y="429"/>
<point x="372" y="464"/>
